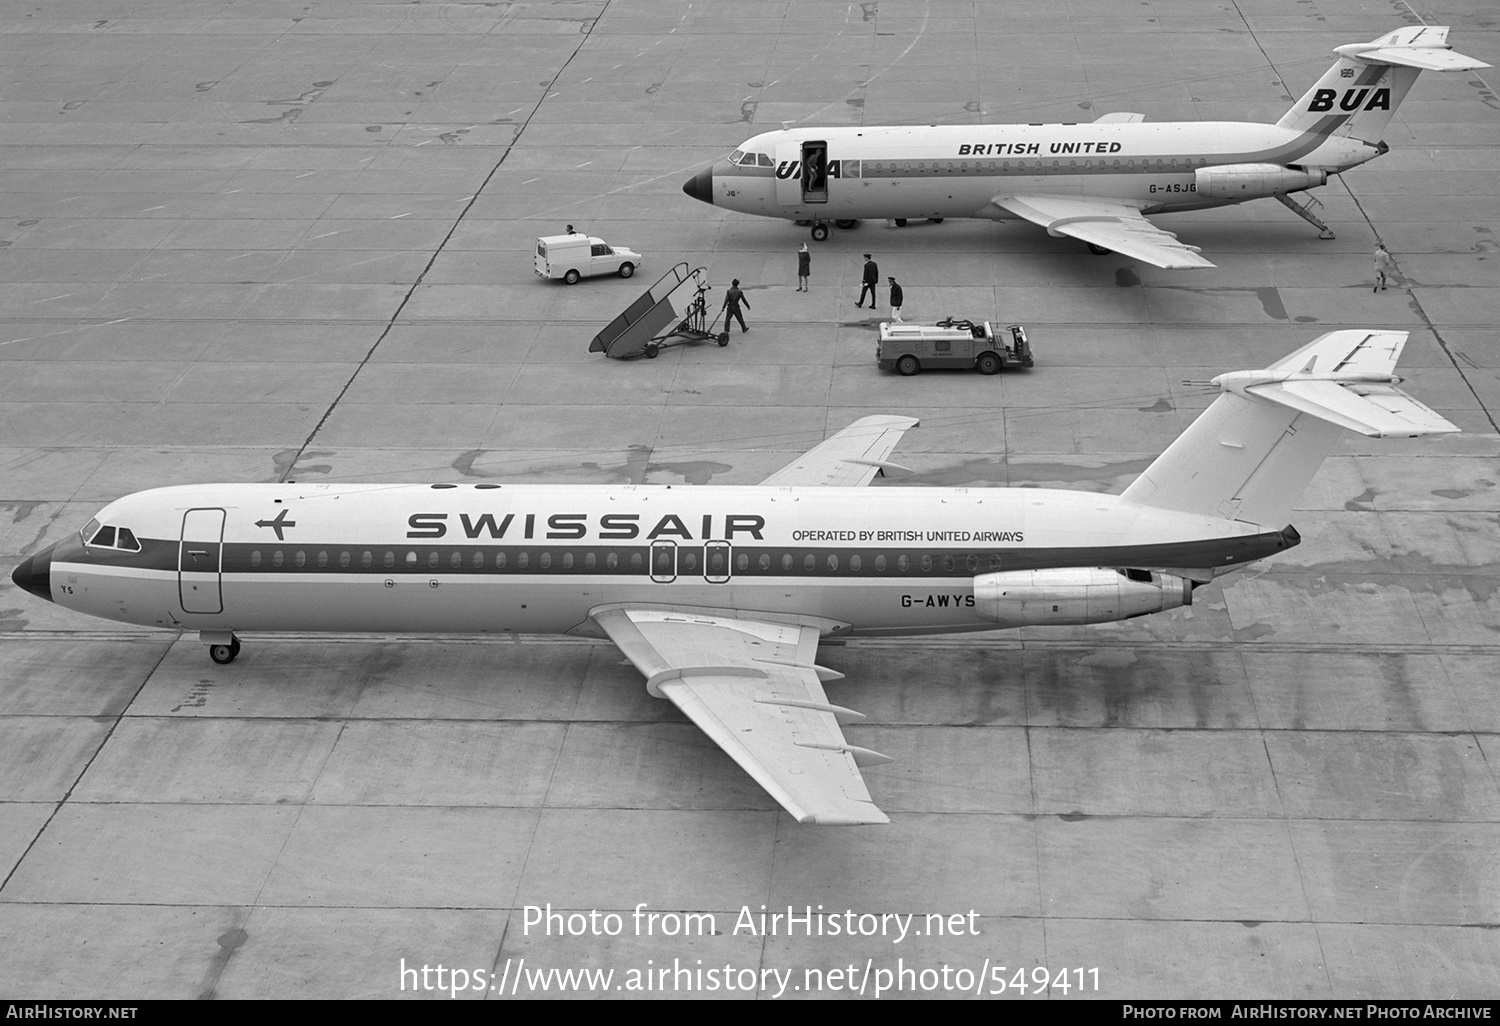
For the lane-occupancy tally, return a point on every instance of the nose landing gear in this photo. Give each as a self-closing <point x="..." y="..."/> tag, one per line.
<point x="223" y="646"/>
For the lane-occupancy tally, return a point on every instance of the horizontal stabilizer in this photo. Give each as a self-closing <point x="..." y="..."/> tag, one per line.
<point x="1424" y="47"/>
<point x="1358" y="96"/>
<point x="1380" y="410"/>
<point x="1346" y="378"/>
<point x="1250" y="455"/>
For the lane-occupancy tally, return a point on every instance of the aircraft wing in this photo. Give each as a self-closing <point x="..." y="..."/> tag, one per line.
<point x="852" y="457"/>
<point x="1115" y="226"/>
<point x="1120" y="118"/>
<point x="752" y="687"/>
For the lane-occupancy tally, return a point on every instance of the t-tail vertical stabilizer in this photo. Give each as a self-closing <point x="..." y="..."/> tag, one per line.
<point x="1360" y="93"/>
<point x="1251" y="454"/>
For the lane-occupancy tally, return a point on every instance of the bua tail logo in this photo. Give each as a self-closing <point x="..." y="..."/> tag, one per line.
<point x="1351" y="100"/>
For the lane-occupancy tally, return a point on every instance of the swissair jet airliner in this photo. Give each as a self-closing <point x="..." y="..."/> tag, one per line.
<point x="1095" y="182"/>
<point x="719" y="595"/>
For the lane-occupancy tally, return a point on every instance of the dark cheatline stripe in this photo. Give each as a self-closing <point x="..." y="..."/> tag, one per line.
<point x="739" y="561"/>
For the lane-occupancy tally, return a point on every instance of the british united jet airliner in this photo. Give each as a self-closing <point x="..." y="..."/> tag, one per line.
<point x="720" y="594"/>
<point x="1094" y="182"/>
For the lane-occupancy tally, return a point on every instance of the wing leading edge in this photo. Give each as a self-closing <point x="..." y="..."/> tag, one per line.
<point x="1115" y="226"/>
<point x="850" y="458"/>
<point x="752" y="687"/>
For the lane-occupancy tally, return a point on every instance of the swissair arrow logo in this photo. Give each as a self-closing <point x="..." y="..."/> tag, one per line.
<point x="276" y="525"/>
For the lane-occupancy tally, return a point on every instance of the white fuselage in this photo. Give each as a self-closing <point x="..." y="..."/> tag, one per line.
<point x="959" y="171"/>
<point x="537" y="559"/>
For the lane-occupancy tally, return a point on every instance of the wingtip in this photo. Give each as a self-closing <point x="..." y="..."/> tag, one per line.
<point x="874" y="817"/>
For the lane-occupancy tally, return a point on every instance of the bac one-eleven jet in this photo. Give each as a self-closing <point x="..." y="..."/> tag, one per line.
<point x="1096" y="181"/>
<point x="719" y="595"/>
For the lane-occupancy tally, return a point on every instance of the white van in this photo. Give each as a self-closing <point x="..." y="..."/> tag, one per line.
<point x="575" y="256"/>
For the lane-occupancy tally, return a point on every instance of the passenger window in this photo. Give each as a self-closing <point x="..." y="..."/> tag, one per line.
<point x="255" y="558"/>
<point x="478" y="560"/>
<point x="301" y="558"/>
<point x="343" y="559"/>
<point x="716" y="561"/>
<point x="903" y="563"/>
<point x="690" y="560"/>
<point x="786" y="561"/>
<point x="635" y="561"/>
<point x="994" y="561"/>
<point x="523" y="560"/>
<point x="276" y="557"/>
<point x="456" y="560"/>
<point x="588" y="561"/>
<point x="742" y="562"/>
<point x="411" y="558"/>
<point x="764" y="562"/>
<point x="611" y="561"/>
<point x="973" y="563"/>
<point x="499" y="561"/>
<point x="365" y="560"/>
<point x="880" y="564"/>
<point x="926" y="564"/>
<point x="833" y="562"/>
<point x="809" y="562"/>
<point x="546" y="561"/>
<point x="390" y="559"/>
<point x="567" y="560"/>
<point x="854" y="563"/>
<point x="949" y="563"/>
<point x="322" y="559"/>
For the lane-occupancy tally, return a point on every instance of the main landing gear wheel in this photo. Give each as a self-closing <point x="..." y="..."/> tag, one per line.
<point x="935" y="220"/>
<point x="900" y="222"/>
<point x="1099" y="250"/>
<point x="224" y="654"/>
<point x="908" y="365"/>
<point x="845" y="223"/>
<point x="571" y="278"/>
<point x="820" y="232"/>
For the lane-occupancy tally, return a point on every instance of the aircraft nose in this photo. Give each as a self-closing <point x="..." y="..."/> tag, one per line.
<point x="34" y="574"/>
<point x="701" y="186"/>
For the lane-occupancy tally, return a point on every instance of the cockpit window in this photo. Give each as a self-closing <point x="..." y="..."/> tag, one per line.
<point x="113" y="538"/>
<point x="88" y="530"/>
<point x="734" y="158"/>
<point x="763" y="160"/>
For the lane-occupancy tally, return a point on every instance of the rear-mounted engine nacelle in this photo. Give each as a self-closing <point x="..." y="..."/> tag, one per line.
<point x="1031" y="598"/>
<point x="1251" y="181"/>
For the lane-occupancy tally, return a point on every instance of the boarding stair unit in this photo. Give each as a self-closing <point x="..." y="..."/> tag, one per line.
<point x="672" y="312"/>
